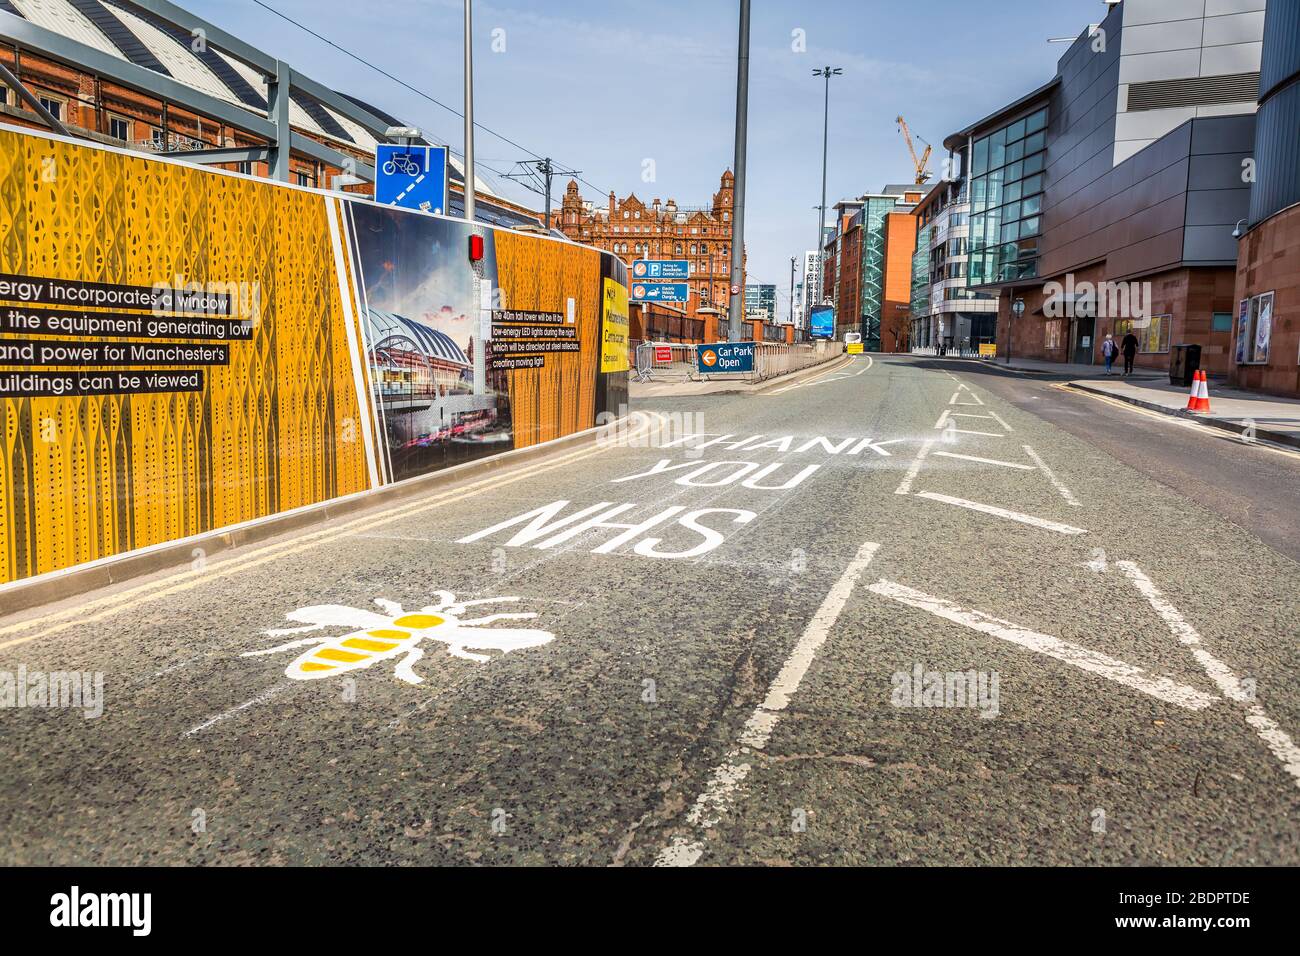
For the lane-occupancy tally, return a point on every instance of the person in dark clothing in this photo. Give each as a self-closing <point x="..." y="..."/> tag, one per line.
<point x="1129" y="347"/>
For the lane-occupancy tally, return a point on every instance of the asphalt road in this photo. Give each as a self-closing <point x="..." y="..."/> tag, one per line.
<point x="962" y="619"/>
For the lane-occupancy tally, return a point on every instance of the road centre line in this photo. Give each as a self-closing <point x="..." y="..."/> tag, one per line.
<point x="1094" y="662"/>
<point x="986" y="461"/>
<point x="905" y="486"/>
<point x="1056" y="482"/>
<point x="187" y="580"/>
<point x="1228" y="683"/>
<point x="1002" y="513"/>
<point x="728" y="777"/>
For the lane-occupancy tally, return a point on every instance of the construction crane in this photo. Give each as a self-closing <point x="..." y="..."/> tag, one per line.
<point x="922" y="173"/>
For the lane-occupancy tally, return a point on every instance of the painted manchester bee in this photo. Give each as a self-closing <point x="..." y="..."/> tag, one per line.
<point x="397" y="633"/>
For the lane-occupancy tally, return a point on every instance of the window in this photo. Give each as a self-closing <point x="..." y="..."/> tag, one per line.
<point x="1221" y="322"/>
<point x="119" y="127"/>
<point x="302" y="179"/>
<point x="53" y="104"/>
<point x="1152" y="334"/>
<point x="1255" y="330"/>
<point x="1052" y="333"/>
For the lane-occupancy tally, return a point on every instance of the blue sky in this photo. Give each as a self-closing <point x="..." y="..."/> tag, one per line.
<point x="604" y="86"/>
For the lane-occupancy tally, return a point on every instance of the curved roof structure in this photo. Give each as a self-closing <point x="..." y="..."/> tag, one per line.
<point x="130" y="31"/>
<point x="384" y="326"/>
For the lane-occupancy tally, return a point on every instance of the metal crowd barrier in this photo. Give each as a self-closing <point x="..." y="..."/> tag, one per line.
<point x="665" y="362"/>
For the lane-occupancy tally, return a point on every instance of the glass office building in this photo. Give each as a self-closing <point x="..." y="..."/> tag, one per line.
<point x="1007" y="201"/>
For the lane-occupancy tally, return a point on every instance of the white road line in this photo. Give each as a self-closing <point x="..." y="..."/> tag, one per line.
<point x="729" y="776"/>
<point x="869" y="364"/>
<point x="946" y="420"/>
<point x="1003" y="513"/>
<point x="905" y="486"/>
<point x="1094" y="662"/>
<point x="1056" y="482"/>
<point x="261" y="698"/>
<point x="986" y="461"/>
<point x="1273" y="736"/>
<point x="969" y="394"/>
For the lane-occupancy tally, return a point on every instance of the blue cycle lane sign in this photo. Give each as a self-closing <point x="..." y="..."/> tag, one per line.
<point x="660" y="291"/>
<point x="660" y="269"/>
<point x="725" y="357"/>
<point x="413" y="177"/>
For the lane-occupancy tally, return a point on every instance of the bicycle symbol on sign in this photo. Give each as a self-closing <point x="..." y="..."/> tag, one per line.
<point x="405" y="163"/>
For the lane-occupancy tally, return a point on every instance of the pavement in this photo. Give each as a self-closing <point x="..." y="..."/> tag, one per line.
<point x="919" y="613"/>
<point x="1266" y="417"/>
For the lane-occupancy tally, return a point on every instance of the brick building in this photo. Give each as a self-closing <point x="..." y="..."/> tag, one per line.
<point x="631" y="230"/>
<point x="159" y="80"/>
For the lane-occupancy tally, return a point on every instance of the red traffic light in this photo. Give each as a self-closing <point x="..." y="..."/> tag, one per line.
<point x="475" y="248"/>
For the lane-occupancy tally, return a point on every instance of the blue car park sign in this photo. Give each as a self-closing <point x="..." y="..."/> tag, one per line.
<point x="725" y="357"/>
<point x="413" y="177"/>
<point x="660" y="269"/>
<point x="660" y="291"/>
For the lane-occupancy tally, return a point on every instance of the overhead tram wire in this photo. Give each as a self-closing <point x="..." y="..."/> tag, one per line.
<point x="402" y="83"/>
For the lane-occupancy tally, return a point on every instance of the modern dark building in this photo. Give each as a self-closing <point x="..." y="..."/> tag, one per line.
<point x="1107" y="198"/>
<point x="1267" y="337"/>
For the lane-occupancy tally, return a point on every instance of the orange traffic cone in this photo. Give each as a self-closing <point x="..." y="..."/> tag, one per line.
<point x="1194" y="395"/>
<point x="1200" y="402"/>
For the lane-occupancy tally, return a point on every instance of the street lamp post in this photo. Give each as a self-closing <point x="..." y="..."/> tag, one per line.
<point x="469" y="112"/>
<point x="736" y="304"/>
<point x="827" y="72"/>
<point x="1017" y="309"/>
<point x="792" y="261"/>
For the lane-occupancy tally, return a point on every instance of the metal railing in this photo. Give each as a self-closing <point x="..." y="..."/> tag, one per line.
<point x="778" y="358"/>
<point x="950" y="351"/>
<point x="675" y="362"/>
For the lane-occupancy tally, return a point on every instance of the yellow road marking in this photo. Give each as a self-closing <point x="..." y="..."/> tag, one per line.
<point x="418" y="621"/>
<point x="1190" y="423"/>
<point x="361" y="644"/>
<point x="344" y="657"/>
<point x="186" y="580"/>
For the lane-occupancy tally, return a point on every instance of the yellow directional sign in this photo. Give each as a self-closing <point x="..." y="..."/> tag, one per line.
<point x="854" y="348"/>
<point x="988" y="350"/>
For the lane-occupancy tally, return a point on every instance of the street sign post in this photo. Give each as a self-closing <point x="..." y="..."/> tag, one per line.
<point x="413" y="177"/>
<point x="726" y="357"/>
<point x="661" y="269"/>
<point x="660" y="291"/>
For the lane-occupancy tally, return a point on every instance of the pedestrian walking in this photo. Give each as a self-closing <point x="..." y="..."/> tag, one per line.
<point x="1108" y="352"/>
<point x="1129" y="347"/>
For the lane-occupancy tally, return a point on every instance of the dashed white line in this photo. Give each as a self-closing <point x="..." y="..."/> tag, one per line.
<point x="729" y="776"/>
<point x="1002" y="513"/>
<point x="1274" y="737"/>
<point x="261" y="698"/>
<point x="1094" y="662"/>
<point x="1056" y="482"/>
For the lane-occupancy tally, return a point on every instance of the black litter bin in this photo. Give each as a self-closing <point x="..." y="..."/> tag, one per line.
<point x="1184" y="362"/>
